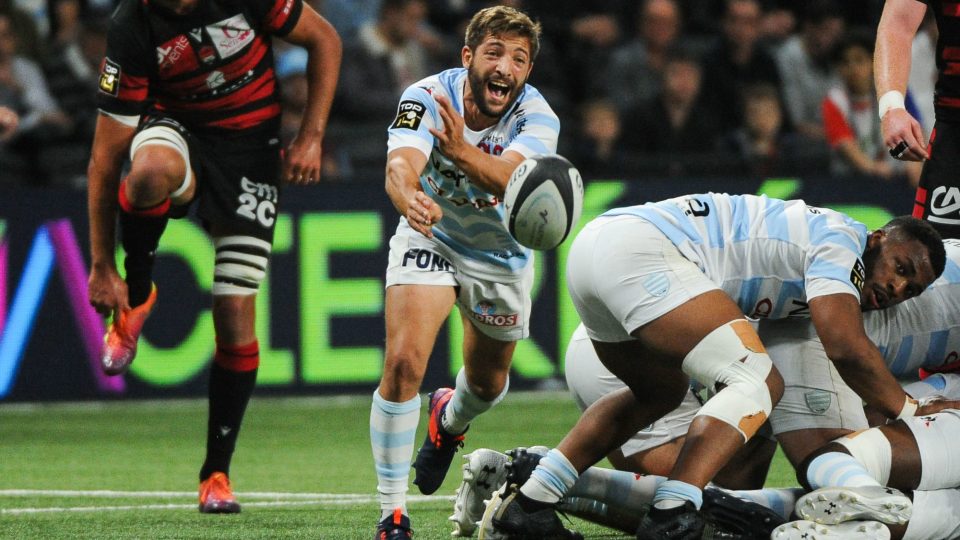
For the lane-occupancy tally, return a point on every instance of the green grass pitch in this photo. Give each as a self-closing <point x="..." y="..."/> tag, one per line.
<point x="302" y="468"/>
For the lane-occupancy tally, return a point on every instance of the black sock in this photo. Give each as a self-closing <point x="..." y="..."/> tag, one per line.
<point x="229" y="394"/>
<point x="140" y="236"/>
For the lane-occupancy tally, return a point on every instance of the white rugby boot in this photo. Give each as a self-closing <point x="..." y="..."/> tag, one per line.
<point x="484" y="472"/>
<point x="851" y="530"/>
<point x="834" y="505"/>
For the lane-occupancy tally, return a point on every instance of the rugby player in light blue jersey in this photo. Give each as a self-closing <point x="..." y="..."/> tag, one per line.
<point x="664" y="290"/>
<point x="452" y="147"/>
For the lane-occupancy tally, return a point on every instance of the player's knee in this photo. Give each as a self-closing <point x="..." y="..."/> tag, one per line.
<point x="805" y="464"/>
<point x="240" y="266"/>
<point x="154" y="173"/>
<point x="733" y="356"/>
<point x="872" y="449"/>
<point x="403" y="367"/>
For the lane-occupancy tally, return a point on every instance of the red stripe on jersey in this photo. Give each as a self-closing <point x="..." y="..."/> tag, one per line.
<point x="933" y="137"/>
<point x="261" y="88"/>
<point x="951" y="53"/>
<point x="951" y="9"/>
<point x="278" y="14"/>
<point x="250" y="119"/>
<point x="133" y="88"/>
<point x="919" y="202"/>
<point x="952" y="68"/>
<point x="949" y="102"/>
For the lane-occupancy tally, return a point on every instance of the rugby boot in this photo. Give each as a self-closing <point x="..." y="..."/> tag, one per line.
<point x="216" y="497"/>
<point x="834" y="505"/>
<point x="736" y="517"/>
<point x="484" y="472"/>
<point x="851" y="530"/>
<point x="436" y="454"/>
<point x="678" y="523"/>
<point x="120" y="342"/>
<point x="396" y="526"/>
<point x="505" y="519"/>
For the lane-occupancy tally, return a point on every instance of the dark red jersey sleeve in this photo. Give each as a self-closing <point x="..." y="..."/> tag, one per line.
<point x="123" y="85"/>
<point x="278" y="17"/>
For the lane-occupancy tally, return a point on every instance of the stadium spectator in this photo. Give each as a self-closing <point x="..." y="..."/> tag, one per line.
<point x="761" y="146"/>
<point x="65" y="22"/>
<point x="23" y="88"/>
<point x="386" y="57"/>
<point x="28" y="37"/>
<point x="347" y="16"/>
<point x="71" y="71"/>
<point x="597" y="147"/>
<point x="850" y="122"/>
<point x="688" y="128"/>
<point x="737" y="60"/>
<point x="212" y="135"/>
<point x="641" y="303"/>
<point x="805" y="70"/>
<point x="636" y="69"/>
<point x="452" y="147"/>
<point x="902" y="133"/>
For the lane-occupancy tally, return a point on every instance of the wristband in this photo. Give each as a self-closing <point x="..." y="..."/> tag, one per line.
<point x="891" y="100"/>
<point x="909" y="408"/>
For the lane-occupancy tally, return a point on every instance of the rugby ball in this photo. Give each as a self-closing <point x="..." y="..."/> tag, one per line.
<point x="543" y="201"/>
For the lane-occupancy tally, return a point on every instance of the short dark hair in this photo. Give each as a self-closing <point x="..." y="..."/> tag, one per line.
<point x="499" y="20"/>
<point x="923" y="232"/>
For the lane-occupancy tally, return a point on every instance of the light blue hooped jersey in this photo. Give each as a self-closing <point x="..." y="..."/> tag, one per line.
<point x="472" y="223"/>
<point x="923" y="331"/>
<point x="771" y="256"/>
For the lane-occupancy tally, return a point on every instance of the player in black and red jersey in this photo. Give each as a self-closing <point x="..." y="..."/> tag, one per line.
<point x="188" y="90"/>
<point x="938" y="195"/>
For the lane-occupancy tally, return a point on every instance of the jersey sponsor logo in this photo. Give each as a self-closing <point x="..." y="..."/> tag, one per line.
<point x="945" y="205"/>
<point x="171" y="52"/>
<point x="258" y="202"/>
<point x="110" y="77"/>
<point x="858" y="275"/>
<point x="486" y="313"/>
<point x="215" y="79"/>
<point x="231" y="35"/>
<point x="409" y="115"/>
<point x="818" y="401"/>
<point x="207" y="54"/>
<point x="425" y="259"/>
<point x="196" y="34"/>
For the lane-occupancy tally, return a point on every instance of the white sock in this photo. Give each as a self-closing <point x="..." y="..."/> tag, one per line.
<point x="935" y="515"/>
<point x="836" y="469"/>
<point x="393" y="430"/>
<point x="780" y="500"/>
<point x="552" y="478"/>
<point x="464" y="406"/>
<point x="629" y="490"/>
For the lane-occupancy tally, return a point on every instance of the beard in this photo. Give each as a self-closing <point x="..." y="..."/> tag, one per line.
<point x="478" y="85"/>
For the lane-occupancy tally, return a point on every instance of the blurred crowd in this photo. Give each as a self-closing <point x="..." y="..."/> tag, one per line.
<point x="642" y="87"/>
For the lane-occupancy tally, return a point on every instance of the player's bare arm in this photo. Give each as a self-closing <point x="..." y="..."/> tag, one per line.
<point x="839" y="324"/>
<point x="107" y="290"/>
<point x="895" y="33"/>
<point x="301" y="164"/>
<point x="403" y="188"/>
<point x="490" y="173"/>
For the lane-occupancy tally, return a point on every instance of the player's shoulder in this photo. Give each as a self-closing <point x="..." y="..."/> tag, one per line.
<point x="125" y="13"/>
<point x="531" y="100"/>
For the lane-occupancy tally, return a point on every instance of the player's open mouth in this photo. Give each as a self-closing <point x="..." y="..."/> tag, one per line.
<point x="498" y="90"/>
<point x="879" y="298"/>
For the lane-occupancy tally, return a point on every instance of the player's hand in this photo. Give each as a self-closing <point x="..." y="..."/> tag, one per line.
<point x="8" y="123"/>
<point x="423" y="213"/>
<point x="301" y="161"/>
<point x="107" y="290"/>
<point x="899" y="127"/>
<point x="930" y="406"/>
<point x="450" y="140"/>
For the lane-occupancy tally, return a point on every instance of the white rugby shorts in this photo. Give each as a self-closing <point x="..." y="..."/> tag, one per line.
<point x="815" y="396"/>
<point x="500" y="308"/>
<point x="588" y="381"/>
<point x="623" y="272"/>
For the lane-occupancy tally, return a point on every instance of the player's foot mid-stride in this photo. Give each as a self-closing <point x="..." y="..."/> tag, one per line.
<point x="120" y="341"/>
<point x="216" y="496"/>
<point x="439" y="447"/>
<point x="396" y="526"/>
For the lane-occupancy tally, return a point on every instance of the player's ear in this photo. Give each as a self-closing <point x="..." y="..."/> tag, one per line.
<point x="875" y="238"/>
<point x="466" y="55"/>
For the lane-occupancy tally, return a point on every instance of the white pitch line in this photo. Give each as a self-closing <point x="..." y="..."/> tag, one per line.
<point x="293" y="499"/>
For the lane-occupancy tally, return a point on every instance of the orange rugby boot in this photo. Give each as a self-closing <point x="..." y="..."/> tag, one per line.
<point x="120" y="343"/>
<point x="216" y="497"/>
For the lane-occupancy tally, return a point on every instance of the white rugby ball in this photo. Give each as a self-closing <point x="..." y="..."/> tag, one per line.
<point x="543" y="201"/>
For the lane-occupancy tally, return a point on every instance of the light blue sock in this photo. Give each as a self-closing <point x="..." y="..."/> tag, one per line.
<point x="552" y="478"/>
<point x="672" y="492"/>
<point x="393" y="430"/>
<point x="464" y="406"/>
<point x="836" y="469"/>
